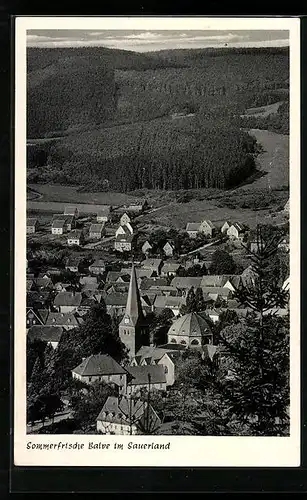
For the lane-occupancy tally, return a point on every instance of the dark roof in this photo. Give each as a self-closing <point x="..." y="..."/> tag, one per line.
<point x="62" y="319"/>
<point x="67" y="218"/>
<point x="98" y="263"/>
<point x="141" y="374"/>
<point x="45" y="333"/>
<point x="67" y="299"/>
<point x="99" y="364"/>
<point x="58" y="223"/>
<point x="96" y="228"/>
<point x="31" y="221"/>
<point x="192" y="226"/>
<point x="128" y="237"/>
<point x="116" y="299"/>
<point x="76" y="233"/>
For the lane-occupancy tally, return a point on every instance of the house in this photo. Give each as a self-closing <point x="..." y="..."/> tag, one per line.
<point x="62" y="287"/>
<point x="146" y="283"/>
<point x="169" y="249"/>
<point x="72" y="264"/>
<point x="67" y="320"/>
<point x="97" y="267"/>
<point x="32" y="225"/>
<point x="49" y="334"/>
<point x="104" y="214"/>
<point x="42" y="284"/>
<point x="236" y="231"/>
<point x="101" y="368"/>
<point x="207" y="228"/>
<point x="140" y="273"/>
<point x="225" y="226"/>
<point x="36" y="317"/>
<point x="89" y="283"/>
<point x="214" y="293"/>
<point x="170" y="269"/>
<point x="153" y="265"/>
<point x="112" y="276"/>
<point x="166" y="290"/>
<point x="96" y="231"/>
<point x="213" y="314"/>
<point x="145" y="378"/>
<point x="58" y="227"/>
<point x="125" y="219"/>
<point x="88" y="302"/>
<point x="146" y="247"/>
<point x="137" y="207"/>
<point x="70" y="220"/>
<point x="183" y="284"/>
<point x="166" y="357"/>
<point x="124" y="229"/>
<point x="127" y="416"/>
<point x="168" y="302"/>
<point x="123" y="243"/>
<point x="192" y="228"/>
<point x="75" y="237"/>
<point x="66" y="302"/>
<point x="190" y="330"/>
<point x="71" y="210"/>
<point x="116" y="303"/>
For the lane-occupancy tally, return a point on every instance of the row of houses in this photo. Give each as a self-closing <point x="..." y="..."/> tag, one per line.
<point x="234" y="230"/>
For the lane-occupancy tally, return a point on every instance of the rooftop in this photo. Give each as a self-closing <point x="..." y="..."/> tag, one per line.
<point x="99" y="364"/>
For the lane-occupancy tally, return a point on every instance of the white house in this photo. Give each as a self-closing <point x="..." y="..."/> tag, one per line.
<point x="127" y="416"/>
<point x="125" y="219"/>
<point x="124" y="229"/>
<point x="192" y="228"/>
<point x="236" y="231"/>
<point x="75" y="238"/>
<point x="101" y="368"/>
<point x="145" y="378"/>
<point x="146" y="247"/>
<point x="58" y="227"/>
<point x="104" y="214"/>
<point x="66" y="302"/>
<point x="207" y="228"/>
<point x="225" y="226"/>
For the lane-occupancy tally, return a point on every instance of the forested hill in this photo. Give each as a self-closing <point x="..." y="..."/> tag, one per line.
<point x="121" y="108"/>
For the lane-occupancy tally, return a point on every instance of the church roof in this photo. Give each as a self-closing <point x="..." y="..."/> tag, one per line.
<point x="191" y="324"/>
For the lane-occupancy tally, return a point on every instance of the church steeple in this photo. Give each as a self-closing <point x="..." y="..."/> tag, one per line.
<point x="133" y="310"/>
<point x="133" y="331"/>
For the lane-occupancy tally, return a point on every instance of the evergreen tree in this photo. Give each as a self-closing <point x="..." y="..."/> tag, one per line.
<point x="255" y="386"/>
<point x="200" y="304"/>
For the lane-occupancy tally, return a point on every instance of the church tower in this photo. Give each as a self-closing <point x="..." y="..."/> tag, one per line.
<point x="133" y="331"/>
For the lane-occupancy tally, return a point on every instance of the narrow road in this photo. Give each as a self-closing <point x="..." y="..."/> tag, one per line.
<point x="39" y="425"/>
<point x="89" y="246"/>
<point x="199" y="248"/>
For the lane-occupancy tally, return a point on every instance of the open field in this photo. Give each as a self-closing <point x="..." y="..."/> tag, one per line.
<point x="263" y="111"/>
<point x="274" y="160"/>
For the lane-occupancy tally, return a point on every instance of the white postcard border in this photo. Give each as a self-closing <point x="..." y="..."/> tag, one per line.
<point x="184" y="451"/>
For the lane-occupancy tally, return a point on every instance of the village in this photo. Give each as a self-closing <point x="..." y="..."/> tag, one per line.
<point x="110" y="259"/>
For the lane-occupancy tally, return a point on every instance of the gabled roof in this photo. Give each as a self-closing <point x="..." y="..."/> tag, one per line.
<point x="76" y="233"/>
<point x="140" y="272"/>
<point x="67" y="299"/>
<point x="58" y="224"/>
<point x="129" y="411"/>
<point x="31" y="221"/>
<point x="240" y="227"/>
<point x="169" y="244"/>
<point x="88" y="280"/>
<point x="163" y="301"/>
<point x="150" y="263"/>
<point x="209" y="223"/>
<point x="112" y="276"/>
<point x="98" y="263"/>
<point x="147" y="374"/>
<point x="116" y="299"/>
<point x="127" y="238"/>
<point x="96" y="228"/>
<point x="45" y="333"/>
<point x="104" y="210"/>
<point x="63" y="319"/>
<point x="186" y="282"/>
<point x="148" y="282"/>
<point x="43" y="282"/>
<point x="192" y="226"/>
<point x="169" y="267"/>
<point x="67" y="218"/>
<point x="99" y="364"/>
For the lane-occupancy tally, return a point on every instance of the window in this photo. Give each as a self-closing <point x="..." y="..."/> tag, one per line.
<point x="90" y="379"/>
<point x="173" y="341"/>
<point x="183" y="342"/>
<point x="165" y="369"/>
<point x="195" y="342"/>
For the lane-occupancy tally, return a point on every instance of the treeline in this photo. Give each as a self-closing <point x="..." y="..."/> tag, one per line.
<point x="209" y="157"/>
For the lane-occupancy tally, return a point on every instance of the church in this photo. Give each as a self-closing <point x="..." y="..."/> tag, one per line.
<point x="133" y="330"/>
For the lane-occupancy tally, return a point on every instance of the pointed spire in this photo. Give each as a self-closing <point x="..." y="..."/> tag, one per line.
<point x="133" y="306"/>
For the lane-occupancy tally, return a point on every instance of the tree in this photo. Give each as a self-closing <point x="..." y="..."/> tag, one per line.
<point x="191" y="301"/>
<point x="222" y="263"/>
<point x="255" y="386"/>
<point x="87" y="403"/>
<point x="200" y="304"/>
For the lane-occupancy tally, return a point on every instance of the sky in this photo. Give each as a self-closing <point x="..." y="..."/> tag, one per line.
<point x="145" y="41"/>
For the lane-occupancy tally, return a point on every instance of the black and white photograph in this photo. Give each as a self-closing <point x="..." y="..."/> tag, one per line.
<point x="154" y="261"/>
